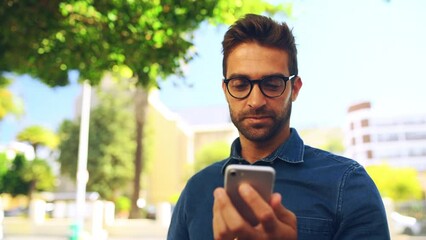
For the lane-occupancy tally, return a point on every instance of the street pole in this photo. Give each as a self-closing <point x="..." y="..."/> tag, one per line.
<point x="82" y="173"/>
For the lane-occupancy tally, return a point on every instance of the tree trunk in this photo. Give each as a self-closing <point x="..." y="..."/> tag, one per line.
<point x="141" y="102"/>
<point x="35" y="146"/>
<point x="31" y="189"/>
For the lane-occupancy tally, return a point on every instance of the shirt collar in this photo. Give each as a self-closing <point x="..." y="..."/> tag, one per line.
<point x="291" y="151"/>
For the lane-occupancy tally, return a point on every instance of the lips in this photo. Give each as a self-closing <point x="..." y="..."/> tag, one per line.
<point x="257" y="119"/>
<point x="256" y="116"/>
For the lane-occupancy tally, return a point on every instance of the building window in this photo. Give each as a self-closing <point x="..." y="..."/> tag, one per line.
<point x="352" y="126"/>
<point x="418" y="152"/>
<point x="365" y="123"/>
<point x="366" y="139"/>
<point x="369" y="154"/>
<point x="388" y="137"/>
<point x="415" y="136"/>
<point x="353" y="141"/>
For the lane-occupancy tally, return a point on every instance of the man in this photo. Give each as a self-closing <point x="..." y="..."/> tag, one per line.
<point x="317" y="196"/>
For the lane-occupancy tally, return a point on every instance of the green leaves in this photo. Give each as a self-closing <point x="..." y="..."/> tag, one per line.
<point x="9" y="104"/>
<point x="211" y="153"/>
<point x="24" y="177"/>
<point x="46" y="39"/>
<point x="396" y="183"/>
<point x="38" y="135"/>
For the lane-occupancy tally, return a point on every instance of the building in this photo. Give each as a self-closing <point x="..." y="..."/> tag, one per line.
<point x="372" y="137"/>
<point x="174" y="140"/>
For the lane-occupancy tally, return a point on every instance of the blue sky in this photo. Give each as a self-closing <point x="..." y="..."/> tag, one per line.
<point x="349" y="51"/>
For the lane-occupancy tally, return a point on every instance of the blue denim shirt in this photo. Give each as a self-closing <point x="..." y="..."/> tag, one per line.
<point x="333" y="197"/>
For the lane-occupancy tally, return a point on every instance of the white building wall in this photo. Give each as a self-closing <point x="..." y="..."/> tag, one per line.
<point x="399" y="140"/>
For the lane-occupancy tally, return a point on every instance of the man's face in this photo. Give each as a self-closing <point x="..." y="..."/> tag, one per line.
<point x="257" y="117"/>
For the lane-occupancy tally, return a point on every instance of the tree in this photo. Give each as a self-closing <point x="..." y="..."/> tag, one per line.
<point x="111" y="144"/>
<point x="152" y="38"/>
<point x="396" y="183"/>
<point x="211" y="153"/>
<point x="8" y="103"/>
<point x="24" y="177"/>
<point x="38" y="136"/>
<point x="4" y="165"/>
<point x="39" y="176"/>
<point x="15" y="183"/>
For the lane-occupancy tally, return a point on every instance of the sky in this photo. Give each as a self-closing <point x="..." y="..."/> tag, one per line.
<point x="348" y="51"/>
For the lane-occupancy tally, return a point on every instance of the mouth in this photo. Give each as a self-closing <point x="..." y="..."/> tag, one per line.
<point x="257" y="119"/>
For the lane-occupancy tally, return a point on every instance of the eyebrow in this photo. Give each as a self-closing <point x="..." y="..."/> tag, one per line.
<point x="235" y="75"/>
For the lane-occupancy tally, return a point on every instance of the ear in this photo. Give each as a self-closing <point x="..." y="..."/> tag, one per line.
<point x="297" y="85"/>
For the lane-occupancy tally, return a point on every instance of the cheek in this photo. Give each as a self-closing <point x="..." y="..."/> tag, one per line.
<point x="285" y="98"/>
<point x="236" y="107"/>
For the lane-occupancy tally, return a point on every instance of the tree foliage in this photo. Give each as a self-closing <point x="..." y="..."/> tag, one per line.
<point x="4" y="165"/>
<point x="46" y="39"/>
<point x="9" y="104"/>
<point x="15" y="183"/>
<point x="111" y="144"/>
<point x="211" y="153"/>
<point x="24" y="177"/>
<point x="38" y="136"/>
<point x="38" y="174"/>
<point x="396" y="183"/>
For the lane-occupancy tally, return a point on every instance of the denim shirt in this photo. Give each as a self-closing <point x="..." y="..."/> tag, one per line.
<point x="333" y="197"/>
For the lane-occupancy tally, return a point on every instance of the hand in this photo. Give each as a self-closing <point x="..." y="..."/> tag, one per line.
<point x="275" y="221"/>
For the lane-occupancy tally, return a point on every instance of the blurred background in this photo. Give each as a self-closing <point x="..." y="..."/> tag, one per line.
<point x="151" y="73"/>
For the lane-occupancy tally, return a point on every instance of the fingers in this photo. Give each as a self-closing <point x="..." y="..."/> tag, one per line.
<point x="220" y="230"/>
<point x="262" y="210"/>
<point x="219" y="226"/>
<point x="227" y="222"/>
<point x="275" y="220"/>
<point x="283" y="214"/>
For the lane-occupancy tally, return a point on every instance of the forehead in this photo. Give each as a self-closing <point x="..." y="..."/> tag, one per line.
<point x="255" y="60"/>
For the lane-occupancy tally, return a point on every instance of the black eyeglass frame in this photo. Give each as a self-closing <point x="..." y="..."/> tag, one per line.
<point x="258" y="81"/>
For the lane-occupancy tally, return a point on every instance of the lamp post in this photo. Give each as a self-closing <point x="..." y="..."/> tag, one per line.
<point x="82" y="173"/>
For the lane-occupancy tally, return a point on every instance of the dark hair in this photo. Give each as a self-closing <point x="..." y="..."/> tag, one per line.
<point x="264" y="31"/>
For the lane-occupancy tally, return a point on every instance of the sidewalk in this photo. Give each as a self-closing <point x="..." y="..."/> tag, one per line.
<point x="60" y="229"/>
<point x="64" y="238"/>
<point x="122" y="229"/>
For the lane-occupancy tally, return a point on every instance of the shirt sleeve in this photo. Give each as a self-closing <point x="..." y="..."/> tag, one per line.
<point x="361" y="214"/>
<point x="178" y="229"/>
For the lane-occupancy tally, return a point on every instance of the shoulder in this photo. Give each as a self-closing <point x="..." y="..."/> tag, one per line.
<point x="344" y="170"/>
<point x="325" y="158"/>
<point x="350" y="176"/>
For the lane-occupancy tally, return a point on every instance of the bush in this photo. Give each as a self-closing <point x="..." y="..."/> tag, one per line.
<point x="122" y="204"/>
<point x="399" y="184"/>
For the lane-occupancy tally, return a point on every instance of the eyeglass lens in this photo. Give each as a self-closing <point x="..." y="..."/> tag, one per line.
<point x="272" y="86"/>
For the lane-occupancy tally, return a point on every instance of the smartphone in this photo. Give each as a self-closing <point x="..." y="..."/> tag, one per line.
<point x="261" y="178"/>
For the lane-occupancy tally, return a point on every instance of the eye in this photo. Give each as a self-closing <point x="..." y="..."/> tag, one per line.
<point x="273" y="83"/>
<point x="239" y="84"/>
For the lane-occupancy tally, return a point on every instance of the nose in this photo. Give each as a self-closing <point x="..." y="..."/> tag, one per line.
<point x="256" y="99"/>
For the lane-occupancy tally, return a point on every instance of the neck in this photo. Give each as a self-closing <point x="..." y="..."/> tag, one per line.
<point x="253" y="151"/>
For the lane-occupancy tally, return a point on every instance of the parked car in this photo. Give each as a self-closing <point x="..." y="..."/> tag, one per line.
<point x="405" y="224"/>
<point x="16" y="212"/>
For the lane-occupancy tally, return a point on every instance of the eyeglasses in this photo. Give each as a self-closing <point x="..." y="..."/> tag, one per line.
<point x="271" y="86"/>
